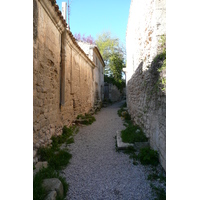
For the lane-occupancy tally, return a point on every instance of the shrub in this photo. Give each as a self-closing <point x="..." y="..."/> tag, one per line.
<point x="148" y="156"/>
<point x="59" y="160"/>
<point x="66" y="134"/>
<point x="133" y="133"/>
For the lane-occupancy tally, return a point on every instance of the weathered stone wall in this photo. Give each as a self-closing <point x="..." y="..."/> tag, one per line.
<point x="46" y="74"/>
<point x="98" y="73"/>
<point x="62" y="74"/>
<point x="79" y="92"/>
<point x="146" y="100"/>
<point x="112" y="93"/>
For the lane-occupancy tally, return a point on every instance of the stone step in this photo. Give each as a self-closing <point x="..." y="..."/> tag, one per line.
<point x="122" y="145"/>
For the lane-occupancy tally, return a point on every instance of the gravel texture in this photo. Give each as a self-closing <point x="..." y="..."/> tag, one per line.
<point x="97" y="171"/>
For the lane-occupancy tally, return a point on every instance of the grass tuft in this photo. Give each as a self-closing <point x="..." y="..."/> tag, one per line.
<point x="160" y="192"/>
<point x="133" y="133"/>
<point x="155" y="176"/>
<point x="86" y="119"/>
<point x="39" y="193"/>
<point x="148" y="156"/>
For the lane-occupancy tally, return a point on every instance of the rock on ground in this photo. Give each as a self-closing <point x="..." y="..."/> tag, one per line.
<point x="53" y="184"/>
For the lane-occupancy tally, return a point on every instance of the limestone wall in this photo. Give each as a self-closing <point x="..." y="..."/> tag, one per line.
<point x="146" y="100"/>
<point x="112" y="93"/>
<point x="79" y="91"/>
<point x="62" y="74"/>
<point x="98" y="74"/>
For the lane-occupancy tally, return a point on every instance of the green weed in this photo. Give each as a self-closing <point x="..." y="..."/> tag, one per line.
<point x="160" y="192"/>
<point x="39" y="193"/>
<point x="155" y="176"/>
<point x="133" y="133"/>
<point x="70" y="141"/>
<point x="57" y="159"/>
<point x="148" y="156"/>
<point x="132" y="154"/>
<point x="63" y="138"/>
<point x="86" y="119"/>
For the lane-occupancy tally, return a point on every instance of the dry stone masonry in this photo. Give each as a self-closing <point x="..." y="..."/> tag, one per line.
<point x="63" y="75"/>
<point x="146" y="101"/>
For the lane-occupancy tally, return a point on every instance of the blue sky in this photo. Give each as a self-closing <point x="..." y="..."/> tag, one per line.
<point x="95" y="16"/>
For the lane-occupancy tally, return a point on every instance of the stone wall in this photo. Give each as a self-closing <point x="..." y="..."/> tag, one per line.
<point x="62" y="74"/>
<point x="98" y="73"/>
<point x="78" y="76"/>
<point x="112" y="93"/>
<point x="146" y="99"/>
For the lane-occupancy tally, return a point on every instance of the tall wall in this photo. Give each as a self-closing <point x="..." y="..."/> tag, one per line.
<point x="79" y="91"/>
<point x="146" y="99"/>
<point x="62" y="74"/>
<point x="93" y="53"/>
<point x="112" y="93"/>
<point x="98" y="74"/>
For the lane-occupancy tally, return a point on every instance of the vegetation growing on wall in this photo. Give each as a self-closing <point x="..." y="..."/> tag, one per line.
<point x="158" y="72"/>
<point x="162" y="68"/>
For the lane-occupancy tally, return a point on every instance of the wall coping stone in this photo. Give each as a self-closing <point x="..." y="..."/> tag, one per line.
<point x="54" y="14"/>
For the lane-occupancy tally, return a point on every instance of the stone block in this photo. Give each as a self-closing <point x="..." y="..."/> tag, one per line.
<point x="53" y="184"/>
<point x="139" y="145"/>
<point x="35" y="160"/>
<point x="34" y="153"/>
<point x="37" y="145"/>
<point x="51" y="196"/>
<point x="40" y="165"/>
<point x="121" y="145"/>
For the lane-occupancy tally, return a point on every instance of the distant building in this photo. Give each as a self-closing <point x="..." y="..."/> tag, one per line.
<point x="93" y="53"/>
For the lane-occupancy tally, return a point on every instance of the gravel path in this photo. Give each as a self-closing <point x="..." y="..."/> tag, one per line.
<point x="96" y="171"/>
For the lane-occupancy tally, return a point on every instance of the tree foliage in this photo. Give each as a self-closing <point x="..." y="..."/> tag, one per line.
<point x="113" y="55"/>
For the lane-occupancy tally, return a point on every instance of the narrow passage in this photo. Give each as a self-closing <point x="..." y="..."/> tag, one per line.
<point x="96" y="171"/>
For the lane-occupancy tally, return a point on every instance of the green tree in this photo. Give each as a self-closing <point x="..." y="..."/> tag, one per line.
<point x="113" y="54"/>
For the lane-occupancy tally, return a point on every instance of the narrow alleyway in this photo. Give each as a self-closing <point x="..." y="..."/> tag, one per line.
<point x="96" y="171"/>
